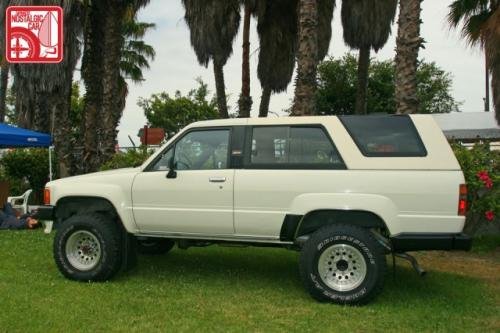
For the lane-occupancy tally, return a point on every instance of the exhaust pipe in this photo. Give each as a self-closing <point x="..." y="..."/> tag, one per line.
<point x="420" y="271"/>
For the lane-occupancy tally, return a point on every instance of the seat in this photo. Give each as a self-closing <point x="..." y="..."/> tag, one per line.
<point x="20" y="202"/>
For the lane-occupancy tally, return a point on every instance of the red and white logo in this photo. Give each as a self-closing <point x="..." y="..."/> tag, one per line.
<point x="34" y="34"/>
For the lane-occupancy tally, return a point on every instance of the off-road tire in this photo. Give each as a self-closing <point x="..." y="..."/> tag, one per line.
<point x="154" y="246"/>
<point x="105" y="231"/>
<point x="362" y="243"/>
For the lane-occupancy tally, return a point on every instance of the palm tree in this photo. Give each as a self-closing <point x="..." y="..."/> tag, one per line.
<point x="135" y="56"/>
<point x="43" y="92"/>
<point x="4" y="65"/>
<point x="408" y="44"/>
<point x="314" y="34"/>
<point x="101" y="70"/>
<point x="213" y="26"/>
<point x="4" y="81"/>
<point x="245" y="100"/>
<point x="277" y="29"/>
<point x="92" y="68"/>
<point x="367" y="25"/>
<point x="480" y="20"/>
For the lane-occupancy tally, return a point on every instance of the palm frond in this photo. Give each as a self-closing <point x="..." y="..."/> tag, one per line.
<point x="213" y="26"/>
<point x="472" y="16"/>
<point x="325" y="17"/>
<point x="277" y="28"/>
<point x="367" y="23"/>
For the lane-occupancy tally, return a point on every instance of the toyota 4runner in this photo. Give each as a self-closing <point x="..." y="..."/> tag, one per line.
<point x="344" y="191"/>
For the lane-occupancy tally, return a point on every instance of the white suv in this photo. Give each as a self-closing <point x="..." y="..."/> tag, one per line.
<point x="344" y="191"/>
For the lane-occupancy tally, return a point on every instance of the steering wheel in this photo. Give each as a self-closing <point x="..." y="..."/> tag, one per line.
<point x="188" y="163"/>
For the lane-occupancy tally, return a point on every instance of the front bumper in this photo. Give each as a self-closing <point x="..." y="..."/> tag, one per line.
<point x="431" y="241"/>
<point x="45" y="213"/>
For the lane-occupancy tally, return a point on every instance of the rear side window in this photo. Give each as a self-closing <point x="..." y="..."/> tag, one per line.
<point x="384" y="136"/>
<point x="293" y="147"/>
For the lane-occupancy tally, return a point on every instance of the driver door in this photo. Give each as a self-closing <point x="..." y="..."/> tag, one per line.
<point x="199" y="199"/>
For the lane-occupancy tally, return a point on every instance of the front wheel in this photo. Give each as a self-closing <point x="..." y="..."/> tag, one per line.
<point x="342" y="264"/>
<point x="87" y="248"/>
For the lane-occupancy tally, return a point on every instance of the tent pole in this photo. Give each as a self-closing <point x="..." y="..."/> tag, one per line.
<point x="50" y="162"/>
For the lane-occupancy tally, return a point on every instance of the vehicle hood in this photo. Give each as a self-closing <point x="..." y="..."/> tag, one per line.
<point x="100" y="177"/>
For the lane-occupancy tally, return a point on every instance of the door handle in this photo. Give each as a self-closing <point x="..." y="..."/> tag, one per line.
<point x="217" y="179"/>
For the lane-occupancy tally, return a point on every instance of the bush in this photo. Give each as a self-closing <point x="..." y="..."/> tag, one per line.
<point x="481" y="167"/>
<point x="24" y="169"/>
<point x="131" y="158"/>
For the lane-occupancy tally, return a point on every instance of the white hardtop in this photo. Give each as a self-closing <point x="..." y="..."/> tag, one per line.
<point x="439" y="153"/>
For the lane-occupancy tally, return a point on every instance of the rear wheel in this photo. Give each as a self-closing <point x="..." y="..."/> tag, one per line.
<point x="87" y="247"/>
<point x="342" y="264"/>
<point x="154" y="246"/>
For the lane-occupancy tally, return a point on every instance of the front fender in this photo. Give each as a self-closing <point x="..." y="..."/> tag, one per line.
<point x="115" y="194"/>
<point x="376" y="204"/>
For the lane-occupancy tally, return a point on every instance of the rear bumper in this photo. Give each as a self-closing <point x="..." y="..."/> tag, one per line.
<point x="431" y="241"/>
<point x="45" y="213"/>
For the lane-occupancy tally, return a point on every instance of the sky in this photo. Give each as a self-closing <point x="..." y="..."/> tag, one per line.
<point x="175" y="66"/>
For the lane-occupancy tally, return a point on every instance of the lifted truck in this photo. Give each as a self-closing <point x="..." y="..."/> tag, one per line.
<point x="344" y="191"/>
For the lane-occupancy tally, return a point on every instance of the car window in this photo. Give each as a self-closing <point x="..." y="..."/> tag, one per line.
<point x="202" y="150"/>
<point x="384" y="136"/>
<point x="280" y="145"/>
<point x="163" y="162"/>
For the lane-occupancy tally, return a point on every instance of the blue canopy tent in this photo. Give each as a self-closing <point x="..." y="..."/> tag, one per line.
<point x="12" y="137"/>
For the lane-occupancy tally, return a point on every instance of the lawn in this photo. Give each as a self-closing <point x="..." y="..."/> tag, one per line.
<point x="238" y="289"/>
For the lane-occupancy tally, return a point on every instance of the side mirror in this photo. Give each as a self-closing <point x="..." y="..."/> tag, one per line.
<point x="171" y="169"/>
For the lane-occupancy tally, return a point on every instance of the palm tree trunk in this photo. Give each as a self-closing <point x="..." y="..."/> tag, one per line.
<point x="408" y="43"/>
<point x="245" y="101"/>
<point x="495" y="88"/>
<point x="61" y="133"/>
<point x="62" y="130"/>
<point x="92" y="67"/>
<point x="361" y="93"/>
<point x="305" y="86"/>
<point x="220" y="89"/>
<point x="264" y="102"/>
<point x="111" y="111"/>
<point x="4" y="81"/>
<point x="492" y="50"/>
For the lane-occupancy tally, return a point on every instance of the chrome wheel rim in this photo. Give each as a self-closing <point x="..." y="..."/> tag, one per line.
<point x="342" y="267"/>
<point x="83" y="250"/>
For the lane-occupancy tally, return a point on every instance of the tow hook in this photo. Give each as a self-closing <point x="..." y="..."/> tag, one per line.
<point x="420" y="271"/>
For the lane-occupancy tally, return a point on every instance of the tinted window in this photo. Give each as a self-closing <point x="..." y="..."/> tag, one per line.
<point x="202" y="150"/>
<point x="384" y="135"/>
<point x="280" y="145"/>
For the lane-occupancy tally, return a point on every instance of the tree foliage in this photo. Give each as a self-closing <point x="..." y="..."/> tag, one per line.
<point x="24" y="169"/>
<point x="130" y="158"/>
<point x="337" y="87"/>
<point x="173" y="113"/>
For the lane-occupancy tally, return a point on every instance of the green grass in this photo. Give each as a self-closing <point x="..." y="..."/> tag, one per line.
<point x="235" y="289"/>
<point x="484" y="244"/>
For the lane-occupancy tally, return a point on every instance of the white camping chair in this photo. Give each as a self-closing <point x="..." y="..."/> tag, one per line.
<point x="21" y="202"/>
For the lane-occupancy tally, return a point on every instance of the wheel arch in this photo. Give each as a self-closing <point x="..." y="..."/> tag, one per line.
<point x="299" y="225"/>
<point x="71" y="205"/>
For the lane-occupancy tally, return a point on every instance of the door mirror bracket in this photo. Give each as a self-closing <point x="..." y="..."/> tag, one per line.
<point x="171" y="169"/>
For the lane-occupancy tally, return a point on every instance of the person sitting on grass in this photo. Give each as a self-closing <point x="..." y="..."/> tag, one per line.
<point x="10" y="220"/>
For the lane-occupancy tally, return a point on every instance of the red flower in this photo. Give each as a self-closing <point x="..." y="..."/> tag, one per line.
<point x="482" y="175"/>
<point x="485" y="178"/>
<point x="489" y="215"/>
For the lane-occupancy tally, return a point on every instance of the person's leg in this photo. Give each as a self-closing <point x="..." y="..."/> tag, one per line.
<point x="8" y="209"/>
<point x="13" y="223"/>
